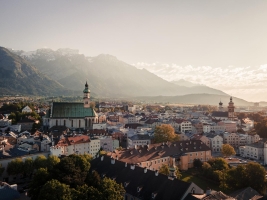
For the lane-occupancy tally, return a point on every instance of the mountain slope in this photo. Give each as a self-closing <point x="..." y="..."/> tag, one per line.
<point x="107" y="76"/>
<point x="207" y="99"/>
<point x="17" y="76"/>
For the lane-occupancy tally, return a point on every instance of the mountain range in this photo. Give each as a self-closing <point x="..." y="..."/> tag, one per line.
<point x="64" y="72"/>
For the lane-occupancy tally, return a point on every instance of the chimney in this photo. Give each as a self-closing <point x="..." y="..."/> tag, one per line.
<point x="126" y="164"/>
<point x="132" y="166"/>
<point x="145" y="170"/>
<point x="135" y="146"/>
<point x="102" y="158"/>
<point x="208" y="191"/>
<point x="156" y="173"/>
<point x="112" y="161"/>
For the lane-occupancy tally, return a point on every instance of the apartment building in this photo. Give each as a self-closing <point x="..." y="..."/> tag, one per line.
<point x="79" y="144"/>
<point x="216" y="142"/>
<point x="153" y="156"/>
<point x="232" y="139"/>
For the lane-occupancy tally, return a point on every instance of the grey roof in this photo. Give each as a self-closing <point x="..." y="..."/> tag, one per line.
<point x="8" y="193"/>
<point x="71" y="110"/>
<point x="219" y="114"/>
<point x="164" y="188"/>
<point x="244" y="194"/>
<point x="140" y="137"/>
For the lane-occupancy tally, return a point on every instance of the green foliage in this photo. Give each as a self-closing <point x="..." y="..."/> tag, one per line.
<point x="164" y="133"/>
<point x="52" y="161"/>
<point x="72" y="170"/>
<point x="15" y="167"/>
<point x="218" y="164"/>
<point x="164" y="169"/>
<point x="197" y="163"/>
<point x="54" y="190"/>
<point x="110" y="190"/>
<point x="40" y="162"/>
<point x="41" y="176"/>
<point x="228" y="150"/>
<point x="249" y="175"/>
<point x="69" y="178"/>
<point x="177" y="173"/>
<point x="28" y="166"/>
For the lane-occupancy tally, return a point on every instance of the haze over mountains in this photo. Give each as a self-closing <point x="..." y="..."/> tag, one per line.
<point x="64" y="71"/>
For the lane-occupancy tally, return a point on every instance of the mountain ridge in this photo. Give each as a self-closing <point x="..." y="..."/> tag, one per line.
<point x="106" y="75"/>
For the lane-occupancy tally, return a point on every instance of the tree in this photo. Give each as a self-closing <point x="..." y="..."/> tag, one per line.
<point x="197" y="163"/>
<point x="92" y="105"/>
<point x="249" y="175"/>
<point x="164" y="133"/>
<point x="41" y="176"/>
<point x="15" y="167"/>
<point x="28" y="166"/>
<point x="52" y="161"/>
<point x="40" y="162"/>
<point x="54" y="190"/>
<point x="255" y="177"/>
<point x="218" y="164"/>
<point x="228" y="150"/>
<point x="110" y="190"/>
<point x="72" y="170"/>
<point x="13" y="117"/>
<point x="234" y="178"/>
<point x="164" y="169"/>
<point x="177" y="173"/>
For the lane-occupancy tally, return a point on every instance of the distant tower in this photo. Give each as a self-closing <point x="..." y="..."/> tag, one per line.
<point x="86" y="96"/>
<point x="231" y="109"/>
<point x="220" y="106"/>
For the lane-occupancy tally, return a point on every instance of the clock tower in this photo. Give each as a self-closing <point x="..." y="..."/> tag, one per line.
<point x="231" y="109"/>
<point x="86" y="96"/>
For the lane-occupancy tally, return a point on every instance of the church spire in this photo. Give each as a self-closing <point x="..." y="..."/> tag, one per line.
<point x="86" y="96"/>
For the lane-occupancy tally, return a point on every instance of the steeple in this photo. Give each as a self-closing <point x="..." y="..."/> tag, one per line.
<point x="220" y="106"/>
<point x="231" y="109"/>
<point x="86" y="96"/>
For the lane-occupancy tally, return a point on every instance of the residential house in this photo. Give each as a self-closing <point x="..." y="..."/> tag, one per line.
<point x="26" y="109"/>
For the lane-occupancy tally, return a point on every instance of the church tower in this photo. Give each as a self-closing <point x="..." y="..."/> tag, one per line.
<point x="231" y="109"/>
<point x="220" y="106"/>
<point x="86" y="96"/>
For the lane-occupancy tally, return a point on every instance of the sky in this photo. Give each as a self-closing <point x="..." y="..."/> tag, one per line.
<point x="220" y="43"/>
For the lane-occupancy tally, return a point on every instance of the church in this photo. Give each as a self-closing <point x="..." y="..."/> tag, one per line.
<point x="223" y="115"/>
<point x="72" y="115"/>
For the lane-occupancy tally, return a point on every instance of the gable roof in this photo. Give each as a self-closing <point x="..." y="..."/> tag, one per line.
<point x="8" y="193"/>
<point x="244" y="194"/>
<point x="159" y="150"/>
<point x="164" y="188"/>
<point x="71" y="110"/>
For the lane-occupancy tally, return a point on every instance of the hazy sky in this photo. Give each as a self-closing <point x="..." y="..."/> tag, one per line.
<point x="215" y="33"/>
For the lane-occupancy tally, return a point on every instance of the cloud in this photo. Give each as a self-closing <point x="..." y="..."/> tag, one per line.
<point x="240" y="81"/>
